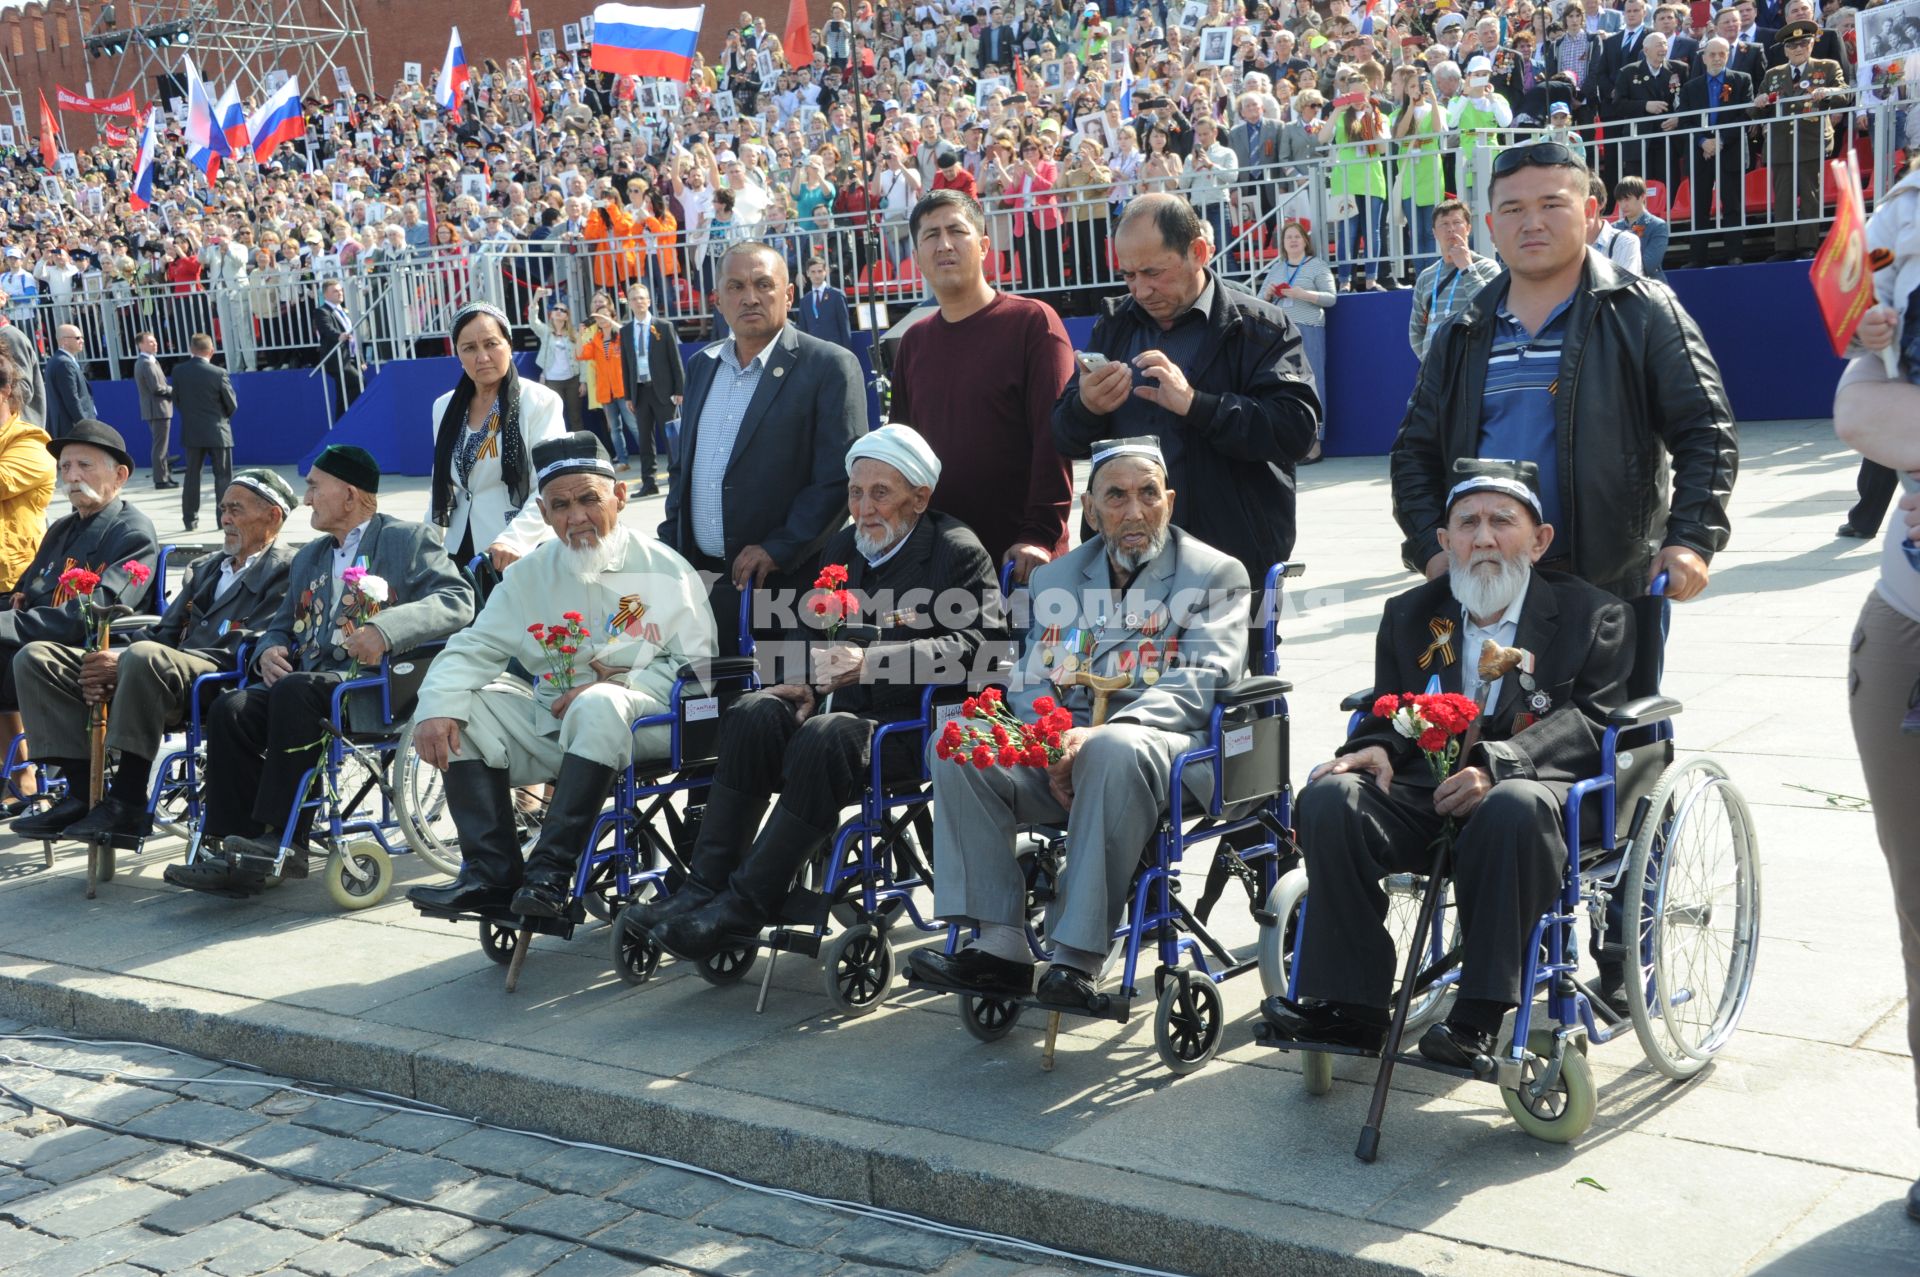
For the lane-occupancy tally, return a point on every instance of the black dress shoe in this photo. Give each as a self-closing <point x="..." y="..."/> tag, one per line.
<point x="973" y="969"/>
<point x="1780" y="257"/>
<point x="649" y="489"/>
<point x="114" y="819"/>
<point x="1068" y="987"/>
<point x="217" y="878"/>
<point x="188" y="525"/>
<point x="724" y="922"/>
<point x="1327" y="1023"/>
<point x="1613" y="988"/>
<point x="463" y="895"/>
<point x="542" y="899"/>
<point x="53" y="822"/>
<point x="1456" y="1045"/>
<point x="655" y="913"/>
<point x="1852" y="533"/>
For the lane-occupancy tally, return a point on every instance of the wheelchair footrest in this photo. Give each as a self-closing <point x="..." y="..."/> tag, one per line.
<point x="1263" y="1035"/>
<point x="1115" y="1006"/>
<point x="561" y="927"/>
<point x="791" y="940"/>
<point x="291" y="863"/>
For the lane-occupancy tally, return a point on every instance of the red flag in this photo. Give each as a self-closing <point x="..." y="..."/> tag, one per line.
<point x="49" y="133"/>
<point x="533" y="96"/>
<point x="433" y="217"/>
<point x="513" y="10"/>
<point x="1842" y="281"/>
<point x="798" y="39"/>
<point x="1019" y="75"/>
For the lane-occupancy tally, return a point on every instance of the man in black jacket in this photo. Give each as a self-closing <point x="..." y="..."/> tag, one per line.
<point x="69" y="398"/>
<point x="1376" y="808"/>
<point x="203" y="393"/>
<point x="334" y="329"/>
<point x="1218" y="375"/>
<point x="226" y="598"/>
<point x="1594" y="375"/>
<point x="655" y="376"/>
<point x="928" y="601"/>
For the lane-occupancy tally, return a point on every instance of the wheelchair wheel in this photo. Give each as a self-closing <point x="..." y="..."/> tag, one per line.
<point x="420" y="808"/>
<point x="1316" y="1071"/>
<point x="729" y="965"/>
<point x="1188" y="1023"/>
<point x="358" y="875"/>
<point x="988" y="1019"/>
<point x="646" y="849"/>
<point x="635" y="955"/>
<point x="1693" y="886"/>
<point x="498" y="940"/>
<point x="170" y="814"/>
<point x="1565" y="1111"/>
<point x="1276" y="944"/>
<point x="858" y="968"/>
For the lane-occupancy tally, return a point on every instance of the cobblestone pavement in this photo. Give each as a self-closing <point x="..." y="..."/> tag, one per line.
<point x="77" y="1199"/>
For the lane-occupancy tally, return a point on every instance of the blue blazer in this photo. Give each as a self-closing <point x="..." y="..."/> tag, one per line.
<point x="825" y="317"/>
<point x="69" y="398"/>
<point x="1653" y="243"/>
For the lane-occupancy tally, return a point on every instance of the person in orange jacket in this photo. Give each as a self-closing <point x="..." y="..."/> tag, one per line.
<point x="600" y="352"/>
<point x="609" y="234"/>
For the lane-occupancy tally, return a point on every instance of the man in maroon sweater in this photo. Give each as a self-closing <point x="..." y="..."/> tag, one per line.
<point x="979" y="381"/>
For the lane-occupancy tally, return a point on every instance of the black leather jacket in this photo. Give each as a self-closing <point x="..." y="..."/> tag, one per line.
<point x="1637" y="384"/>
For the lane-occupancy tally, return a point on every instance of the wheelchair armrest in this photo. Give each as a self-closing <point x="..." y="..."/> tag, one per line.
<point x="1254" y="689"/>
<point x="140" y="622"/>
<point x="1360" y="702"/>
<point x="1644" y="710"/>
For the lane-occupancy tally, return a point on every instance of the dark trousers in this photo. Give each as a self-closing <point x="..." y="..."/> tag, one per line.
<point x="649" y="416"/>
<point x="162" y="432"/>
<point x="350" y="385"/>
<point x="1507" y="861"/>
<point x="1726" y="172"/>
<point x="222" y="459"/>
<point x="817" y="767"/>
<point x="260" y="741"/>
<point x="1876" y="484"/>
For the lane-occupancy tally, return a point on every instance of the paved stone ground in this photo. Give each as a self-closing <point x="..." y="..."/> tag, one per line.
<point x="77" y="1199"/>
<point x="1789" y="1155"/>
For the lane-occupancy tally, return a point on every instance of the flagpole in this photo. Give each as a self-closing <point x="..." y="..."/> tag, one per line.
<point x="861" y="243"/>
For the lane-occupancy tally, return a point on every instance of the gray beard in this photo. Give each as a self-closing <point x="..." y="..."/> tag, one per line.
<point x="1489" y="593"/>
<point x="1133" y="562"/>
<point x="587" y="561"/>
<point x="871" y="549"/>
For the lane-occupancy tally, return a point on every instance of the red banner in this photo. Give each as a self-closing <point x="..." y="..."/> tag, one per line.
<point x="116" y="134"/>
<point x="71" y="101"/>
<point x="1842" y="283"/>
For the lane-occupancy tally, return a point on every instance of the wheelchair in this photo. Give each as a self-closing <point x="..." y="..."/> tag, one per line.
<point x="1667" y="860"/>
<point x="626" y="859"/>
<point x="1247" y="743"/>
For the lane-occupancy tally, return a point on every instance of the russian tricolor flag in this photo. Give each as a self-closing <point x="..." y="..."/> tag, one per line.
<point x="142" y="193"/>
<point x="231" y="116"/>
<point x="452" y="88"/>
<point x="206" y="141"/>
<point x="278" y="120"/>
<point x="631" y="39"/>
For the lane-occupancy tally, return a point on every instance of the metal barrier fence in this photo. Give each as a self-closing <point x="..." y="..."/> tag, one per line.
<point x="1760" y="187"/>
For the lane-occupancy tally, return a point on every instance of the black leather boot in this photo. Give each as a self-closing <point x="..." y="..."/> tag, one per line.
<point x="783" y="847"/>
<point x="579" y="792"/>
<point x="726" y="831"/>
<point x="481" y="805"/>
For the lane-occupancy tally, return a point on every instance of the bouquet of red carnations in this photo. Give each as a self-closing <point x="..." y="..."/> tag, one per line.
<point x="80" y="583"/>
<point x="559" y="643"/>
<point x="1435" y="721"/>
<point x="835" y="603"/>
<point x="992" y="734"/>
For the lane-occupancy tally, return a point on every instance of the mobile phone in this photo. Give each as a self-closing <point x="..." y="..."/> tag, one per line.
<point x="1091" y="361"/>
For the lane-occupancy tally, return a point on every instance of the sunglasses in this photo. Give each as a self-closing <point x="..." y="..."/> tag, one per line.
<point x="1539" y="155"/>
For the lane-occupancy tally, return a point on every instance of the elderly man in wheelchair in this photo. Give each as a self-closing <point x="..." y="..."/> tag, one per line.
<point x="1566" y="650"/>
<point x="1135" y="633"/>
<point x="606" y="619"/>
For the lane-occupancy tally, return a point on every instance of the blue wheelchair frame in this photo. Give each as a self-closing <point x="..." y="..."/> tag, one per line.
<point x="1190" y="1020"/>
<point x="1575" y="1011"/>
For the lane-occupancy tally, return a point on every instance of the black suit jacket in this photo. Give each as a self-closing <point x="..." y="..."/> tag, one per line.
<point x="1734" y="107"/>
<point x="332" y="332"/>
<point x="666" y="371"/>
<point x="1639" y="84"/>
<point x="826" y="318"/>
<point x="203" y="394"/>
<point x="1582" y="642"/>
<point x="119" y="534"/>
<point x="1748" y="59"/>
<point x="785" y="488"/>
<point x="213" y="628"/>
<point x="69" y="398"/>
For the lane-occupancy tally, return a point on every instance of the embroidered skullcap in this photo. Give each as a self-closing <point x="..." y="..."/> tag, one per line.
<point x="577" y="453"/>
<point x="1519" y="479"/>
<point x="900" y="447"/>
<point x="1147" y="446"/>
<point x="268" y="486"/>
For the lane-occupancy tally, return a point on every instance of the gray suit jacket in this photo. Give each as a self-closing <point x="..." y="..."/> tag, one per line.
<point x="19" y="348"/>
<point x="204" y="395"/>
<point x="786" y="485"/>
<point x="429" y="600"/>
<point x="212" y="627"/>
<point x="156" y="393"/>
<point x="1184" y="617"/>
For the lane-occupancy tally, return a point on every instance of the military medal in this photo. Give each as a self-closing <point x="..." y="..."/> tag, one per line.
<point x="1153" y="623"/>
<point x="1048" y="638"/>
<point x="1149" y="664"/>
<point x="224" y="627"/>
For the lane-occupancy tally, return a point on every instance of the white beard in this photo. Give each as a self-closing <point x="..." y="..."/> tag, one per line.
<point x="1132" y="562"/>
<point x="1489" y="592"/>
<point x="587" y="562"/>
<point x="870" y="549"/>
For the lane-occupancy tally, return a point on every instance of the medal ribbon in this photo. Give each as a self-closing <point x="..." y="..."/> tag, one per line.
<point x="1442" y="645"/>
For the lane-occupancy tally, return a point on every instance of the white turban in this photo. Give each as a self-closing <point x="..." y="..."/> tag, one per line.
<point x="902" y="448"/>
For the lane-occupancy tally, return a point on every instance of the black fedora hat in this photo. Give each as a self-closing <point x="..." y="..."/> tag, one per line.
<point x="99" y="434"/>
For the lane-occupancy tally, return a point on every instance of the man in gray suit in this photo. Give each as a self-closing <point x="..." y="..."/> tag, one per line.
<point x="1141" y="599"/>
<point x="759" y="479"/>
<point x="33" y="387"/>
<point x="156" y="406"/>
<point x="227" y="597"/>
<point x="261" y="740"/>
<point x="204" y="395"/>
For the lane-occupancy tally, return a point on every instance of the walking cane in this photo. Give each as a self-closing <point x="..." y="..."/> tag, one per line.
<point x="1103" y="688"/>
<point x="100" y="852"/>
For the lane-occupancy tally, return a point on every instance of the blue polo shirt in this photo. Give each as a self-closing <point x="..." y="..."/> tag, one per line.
<point x="1516" y="411"/>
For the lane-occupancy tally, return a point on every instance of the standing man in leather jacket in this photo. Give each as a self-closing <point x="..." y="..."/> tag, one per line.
<point x="1598" y="377"/>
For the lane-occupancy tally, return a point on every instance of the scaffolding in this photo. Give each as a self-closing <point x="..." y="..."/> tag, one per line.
<point x="235" y="41"/>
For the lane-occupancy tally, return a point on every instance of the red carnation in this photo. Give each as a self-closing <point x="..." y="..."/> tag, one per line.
<point x="982" y="757"/>
<point x="1386" y="706"/>
<point x="820" y="606"/>
<point x="1043" y="705"/>
<point x="570" y="616"/>
<point x="568" y="649"/>
<point x="536" y="629"/>
<point x="999" y="735"/>
<point x="136" y="571"/>
<point x="832" y="577"/>
<point x="970" y="707"/>
<point x="1009" y="756"/>
<point x="1433" y="740"/>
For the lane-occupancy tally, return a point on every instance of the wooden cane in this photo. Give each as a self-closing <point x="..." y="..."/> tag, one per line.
<point x="1104" y="686"/>
<point x="97" y="746"/>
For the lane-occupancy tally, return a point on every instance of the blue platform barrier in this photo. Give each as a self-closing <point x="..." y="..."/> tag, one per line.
<point x="1760" y="322"/>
